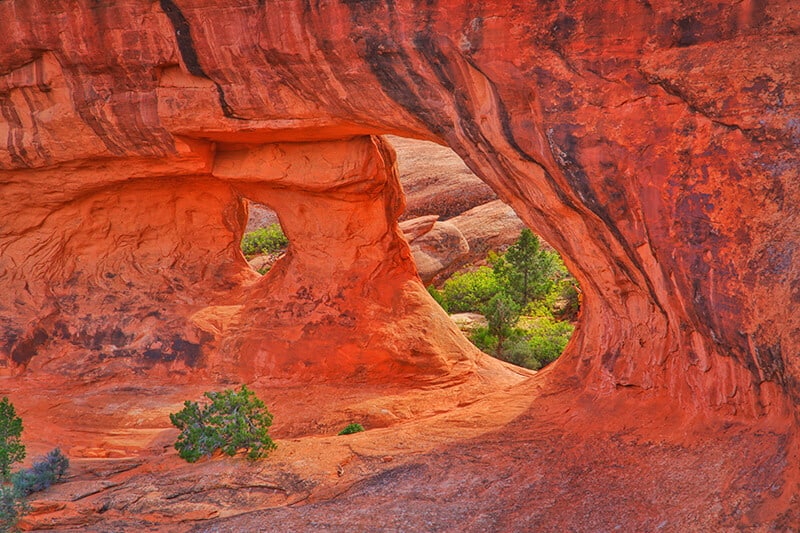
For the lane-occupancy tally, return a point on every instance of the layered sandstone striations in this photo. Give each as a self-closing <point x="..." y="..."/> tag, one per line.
<point x="654" y="144"/>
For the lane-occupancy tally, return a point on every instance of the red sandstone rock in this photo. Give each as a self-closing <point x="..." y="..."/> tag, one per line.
<point x="654" y="144"/>
<point x="437" y="249"/>
<point x="489" y="227"/>
<point x="436" y="181"/>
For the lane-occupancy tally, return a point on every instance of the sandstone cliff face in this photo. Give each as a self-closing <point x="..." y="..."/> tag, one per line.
<point x="649" y="143"/>
<point x="654" y="144"/>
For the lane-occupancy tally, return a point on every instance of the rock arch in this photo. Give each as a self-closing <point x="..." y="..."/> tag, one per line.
<point x="653" y="144"/>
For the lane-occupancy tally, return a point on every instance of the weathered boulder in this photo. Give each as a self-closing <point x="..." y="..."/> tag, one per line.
<point x="435" y="246"/>
<point x="414" y="228"/>
<point x="260" y="216"/>
<point x="468" y="322"/>
<point x="486" y="227"/>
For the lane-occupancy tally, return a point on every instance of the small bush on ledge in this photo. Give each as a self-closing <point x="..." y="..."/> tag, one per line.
<point x="232" y="421"/>
<point x="12" y="507"/>
<point x="14" y="488"/>
<point x="45" y="472"/>
<point x="352" y="428"/>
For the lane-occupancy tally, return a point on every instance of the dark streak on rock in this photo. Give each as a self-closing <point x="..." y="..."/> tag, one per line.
<point x="15" y="133"/>
<point x="37" y="141"/>
<point x="90" y="118"/>
<point x="378" y="55"/>
<point x="770" y="359"/>
<point x="505" y="123"/>
<point x="24" y="351"/>
<point x="580" y="182"/>
<point x="608" y="360"/>
<point x="183" y="35"/>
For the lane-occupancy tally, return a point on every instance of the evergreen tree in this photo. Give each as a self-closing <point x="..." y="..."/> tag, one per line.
<point x="502" y="314"/>
<point x="232" y="421"/>
<point x="526" y="270"/>
<point x="11" y="448"/>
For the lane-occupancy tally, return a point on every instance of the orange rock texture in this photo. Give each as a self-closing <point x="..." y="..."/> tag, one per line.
<point x="653" y="143"/>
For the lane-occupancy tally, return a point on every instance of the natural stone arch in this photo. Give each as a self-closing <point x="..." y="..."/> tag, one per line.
<point x="617" y="152"/>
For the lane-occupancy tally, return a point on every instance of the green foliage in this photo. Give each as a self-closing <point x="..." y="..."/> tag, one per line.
<point x="502" y="313"/>
<point x="536" y="279"/>
<point x="437" y="295"/>
<point x="50" y="469"/>
<point x="526" y="271"/>
<point x="232" y="421"/>
<point x="534" y="343"/>
<point x="484" y="340"/>
<point x="527" y="281"/>
<point x="548" y="338"/>
<point x="11" y="448"/>
<point x="470" y="291"/>
<point x="518" y="351"/>
<point x="568" y="304"/>
<point x="12" y="507"/>
<point x="264" y="240"/>
<point x="352" y="428"/>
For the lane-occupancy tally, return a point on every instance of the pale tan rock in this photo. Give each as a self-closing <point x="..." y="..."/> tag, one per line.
<point x="438" y="249"/>
<point x="469" y="322"/>
<point x="436" y="180"/>
<point x="416" y="227"/>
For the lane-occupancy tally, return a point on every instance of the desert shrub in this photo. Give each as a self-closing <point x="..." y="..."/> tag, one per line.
<point x="516" y="348"/>
<point x="502" y="313"/>
<point x="12" y="507"/>
<point x="270" y="239"/>
<point x="548" y="338"/>
<point x="484" y="340"/>
<point x="534" y="343"/>
<point x="352" y="428"/>
<point x="232" y="421"/>
<point x="11" y="448"/>
<point x="50" y="469"/>
<point x="469" y="291"/>
<point x="518" y="351"/>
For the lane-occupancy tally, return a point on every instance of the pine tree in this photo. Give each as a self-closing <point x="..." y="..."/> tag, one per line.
<point x="233" y="421"/>
<point x="502" y="314"/>
<point x="11" y="448"/>
<point x="527" y="269"/>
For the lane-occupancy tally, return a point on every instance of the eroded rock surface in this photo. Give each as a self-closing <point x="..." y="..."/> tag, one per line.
<point x="441" y="248"/>
<point x="436" y="181"/>
<point x="109" y="283"/>
<point x="653" y="144"/>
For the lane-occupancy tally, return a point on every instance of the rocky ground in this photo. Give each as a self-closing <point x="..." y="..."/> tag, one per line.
<point x="483" y="455"/>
